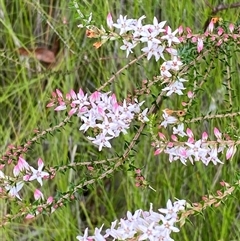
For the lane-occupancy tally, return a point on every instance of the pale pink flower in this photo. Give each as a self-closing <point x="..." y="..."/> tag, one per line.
<point x="101" y="140"/>
<point x="168" y="225"/>
<point x="174" y="87"/>
<point x="175" y="63"/>
<point x="155" y="50"/>
<point x="150" y="37"/>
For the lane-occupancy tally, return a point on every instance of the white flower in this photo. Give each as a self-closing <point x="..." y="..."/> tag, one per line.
<point x="168" y="119"/>
<point x="38" y="174"/>
<point x="174" y="87"/>
<point x="170" y="211"/>
<point x="142" y="116"/>
<point x="149" y="37"/>
<point x="128" y="46"/>
<point x="179" y="130"/>
<point x="101" y="140"/>
<point x="124" y="24"/>
<point x="14" y="189"/>
<point x="175" y="63"/>
<point x="154" y="50"/>
<point x="165" y="67"/>
<point x="196" y="150"/>
<point x="84" y="237"/>
<point x="170" y="36"/>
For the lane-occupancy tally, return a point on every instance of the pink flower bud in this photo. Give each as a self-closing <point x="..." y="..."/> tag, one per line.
<point x="72" y="111"/>
<point x="170" y="144"/>
<point x="220" y="31"/>
<point x="219" y="193"/>
<point x="109" y="21"/>
<point x="51" y="104"/>
<point x="157" y="152"/>
<point x="180" y="30"/>
<point x="189" y="133"/>
<point x="188" y="30"/>
<point x="29" y="216"/>
<point x="50" y="200"/>
<point x="73" y="94"/>
<point x="210" y="26"/>
<point x="204" y="136"/>
<point x="230" y="152"/>
<point x="90" y="168"/>
<point x="59" y="93"/>
<point x="190" y="94"/>
<point x="217" y="133"/>
<point x="200" y="45"/>
<point x="174" y="138"/>
<point x="194" y="39"/>
<point x="38" y="194"/>
<point x="220" y="41"/>
<point x="60" y="107"/>
<point x="231" y="27"/>
<point x="161" y="136"/>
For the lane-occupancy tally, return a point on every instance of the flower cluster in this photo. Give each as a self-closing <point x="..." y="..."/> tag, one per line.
<point x="142" y="225"/>
<point x="100" y="112"/>
<point x="154" y="35"/>
<point x="158" y="40"/>
<point x="192" y="150"/>
<point x="22" y="173"/>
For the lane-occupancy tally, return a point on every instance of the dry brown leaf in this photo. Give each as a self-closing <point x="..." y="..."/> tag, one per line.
<point x="42" y="54"/>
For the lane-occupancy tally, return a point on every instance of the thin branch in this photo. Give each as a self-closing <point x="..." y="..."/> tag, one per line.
<point x="222" y="7"/>
<point x="120" y="71"/>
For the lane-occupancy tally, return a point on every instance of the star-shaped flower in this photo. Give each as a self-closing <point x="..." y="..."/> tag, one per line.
<point x="38" y="174"/>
